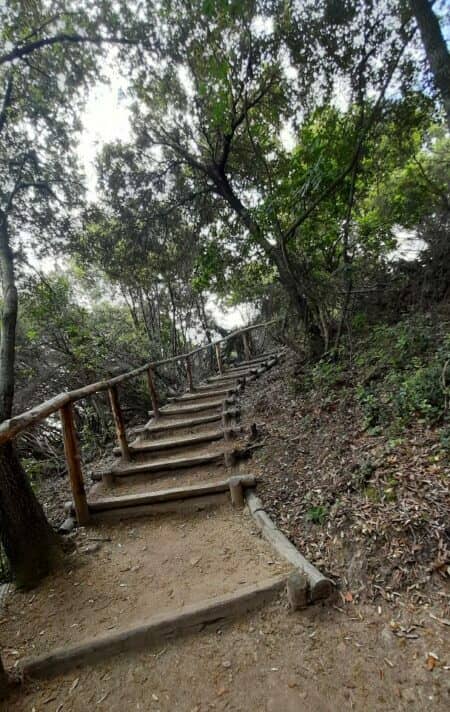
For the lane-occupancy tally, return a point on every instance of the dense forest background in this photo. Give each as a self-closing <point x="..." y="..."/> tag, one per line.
<point x="281" y="154"/>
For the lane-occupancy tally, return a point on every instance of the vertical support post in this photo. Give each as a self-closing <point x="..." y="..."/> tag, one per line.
<point x="247" y="351"/>
<point x="226" y="425"/>
<point x="189" y="374"/>
<point x="236" y="492"/>
<point x="153" y="393"/>
<point x="219" y="358"/>
<point x="119" y="422"/>
<point x="73" y="464"/>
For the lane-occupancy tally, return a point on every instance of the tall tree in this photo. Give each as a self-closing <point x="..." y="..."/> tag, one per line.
<point x="230" y="77"/>
<point x="146" y="245"/>
<point x="48" y="56"/>
<point x="436" y="49"/>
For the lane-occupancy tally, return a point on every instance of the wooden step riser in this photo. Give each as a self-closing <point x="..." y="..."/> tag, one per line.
<point x="179" y="412"/>
<point x="140" y="447"/>
<point x="206" y="388"/>
<point x="187" y="506"/>
<point x="227" y="376"/>
<point x="180" y="451"/>
<point x="204" y="395"/>
<point x="158" y="631"/>
<point x="164" y="425"/>
<point x="149" y="469"/>
<point x="169" y="495"/>
<point x="176" y="493"/>
<point x="167" y="429"/>
<point x="265" y="357"/>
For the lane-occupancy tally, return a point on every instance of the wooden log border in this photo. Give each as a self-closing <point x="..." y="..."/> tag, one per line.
<point x="157" y="629"/>
<point x="320" y="587"/>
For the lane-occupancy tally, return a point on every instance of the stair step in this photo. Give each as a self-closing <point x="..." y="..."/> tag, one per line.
<point x="264" y="357"/>
<point x="206" y="388"/>
<point x="248" y="364"/>
<point x="186" y="440"/>
<point x="227" y="376"/>
<point x="160" y="427"/>
<point x="133" y="500"/>
<point x="238" y="372"/>
<point x="167" y="495"/>
<point x="191" y="408"/>
<point x="202" y="394"/>
<point x="175" y="463"/>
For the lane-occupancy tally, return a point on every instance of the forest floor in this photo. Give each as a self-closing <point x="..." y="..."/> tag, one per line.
<point x="381" y="643"/>
<point x="372" y="511"/>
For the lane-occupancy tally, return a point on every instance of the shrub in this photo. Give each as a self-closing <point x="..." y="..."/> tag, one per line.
<point x="406" y="382"/>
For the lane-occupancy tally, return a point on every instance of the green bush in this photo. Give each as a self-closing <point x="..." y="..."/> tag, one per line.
<point x="406" y="380"/>
<point x="325" y="374"/>
<point x="316" y="515"/>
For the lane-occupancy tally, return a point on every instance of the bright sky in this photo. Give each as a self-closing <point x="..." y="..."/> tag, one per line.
<point x="106" y="118"/>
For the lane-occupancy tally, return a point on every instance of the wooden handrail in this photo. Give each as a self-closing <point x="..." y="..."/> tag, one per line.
<point x="17" y="424"/>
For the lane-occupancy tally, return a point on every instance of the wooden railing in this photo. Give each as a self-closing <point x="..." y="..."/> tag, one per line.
<point x="63" y="403"/>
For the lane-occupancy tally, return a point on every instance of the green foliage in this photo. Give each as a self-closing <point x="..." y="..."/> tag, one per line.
<point x="326" y="374"/>
<point x="317" y="515"/>
<point x="67" y="338"/>
<point x="404" y="367"/>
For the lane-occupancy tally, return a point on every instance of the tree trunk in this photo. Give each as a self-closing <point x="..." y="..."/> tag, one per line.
<point x="275" y="254"/>
<point x="299" y="302"/>
<point x="435" y="49"/>
<point x="8" y="326"/>
<point x="28" y="540"/>
<point x="4" y="683"/>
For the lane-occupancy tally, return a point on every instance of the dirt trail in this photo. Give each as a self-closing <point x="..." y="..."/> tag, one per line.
<point x="329" y="656"/>
<point x="139" y="568"/>
<point x="316" y="660"/>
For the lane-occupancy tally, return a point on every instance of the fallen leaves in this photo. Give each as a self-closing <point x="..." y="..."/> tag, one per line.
<point x="431" y="661"/>
<point x="384" y="535"/>
<point x="74" y="685"/>
<point x="442" y="621"/>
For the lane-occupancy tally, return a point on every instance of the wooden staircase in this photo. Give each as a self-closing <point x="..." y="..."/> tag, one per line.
<point x="193" y="432"/>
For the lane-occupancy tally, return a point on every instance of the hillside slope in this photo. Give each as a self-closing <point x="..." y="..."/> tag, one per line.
<point x="367" y="503"/>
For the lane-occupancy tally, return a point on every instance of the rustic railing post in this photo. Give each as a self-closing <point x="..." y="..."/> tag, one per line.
<point x="247" y="351"/>
<point x="219" y="357"/>
<point x="189" y="373"/>
<point x="119" y="422"/>
<point x="227" y="435"/>
<point x="73" y="464"/>
<point x="153" y="393"/>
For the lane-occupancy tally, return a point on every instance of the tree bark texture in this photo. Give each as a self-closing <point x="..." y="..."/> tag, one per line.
<point x="435" y="47"/>
<point x="30" y="543"/>
<point x="275" y="253"/>
<point x="4" y="686"/>
<point x="8" y="325"/>
<point x="28" y="540"/>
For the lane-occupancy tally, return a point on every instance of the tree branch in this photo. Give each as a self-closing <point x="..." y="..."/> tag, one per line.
<point x="22" y="51"/>
<point x="290" y="232"/>
<point x="7" y="100"/>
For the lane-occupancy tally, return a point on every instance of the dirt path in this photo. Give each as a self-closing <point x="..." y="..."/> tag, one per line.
<point x="330" y="656"/>
<point x="124" y="573"/>
<point x="318" y="660"/>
